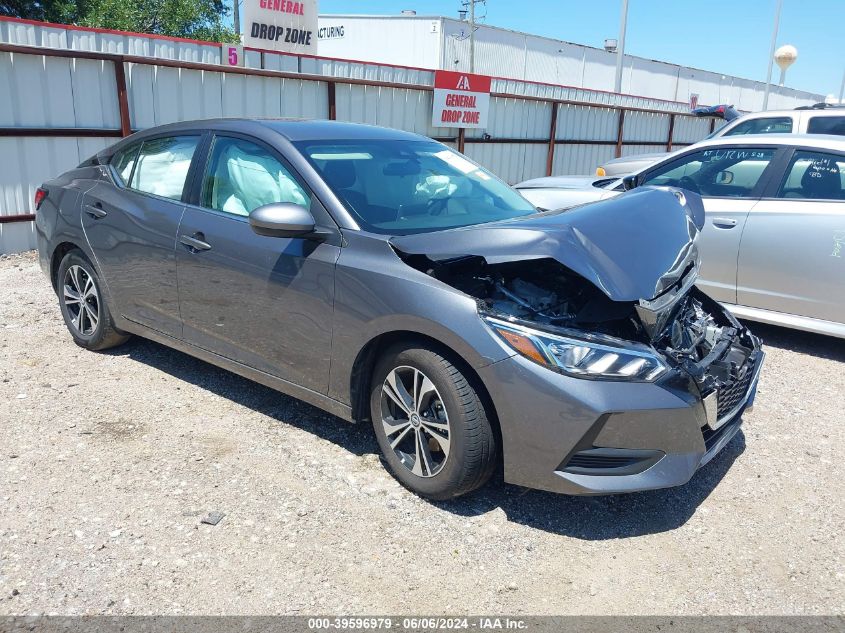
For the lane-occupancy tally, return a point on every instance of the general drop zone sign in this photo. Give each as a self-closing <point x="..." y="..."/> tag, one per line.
<point x="281" y="25"/>
<point x="460" y="99"/>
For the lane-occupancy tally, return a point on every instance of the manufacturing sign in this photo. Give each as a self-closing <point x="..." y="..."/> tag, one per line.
<point x="281" y="25"/>
<point x="460" y="99"/>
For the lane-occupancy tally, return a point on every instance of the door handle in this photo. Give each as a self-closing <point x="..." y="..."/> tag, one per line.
<point x="96" y="210"/>
<point x="724" y="223"/>
<point x="195" y="243"/>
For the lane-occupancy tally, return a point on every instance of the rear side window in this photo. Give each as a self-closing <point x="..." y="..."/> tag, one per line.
<point x="162" y="166"/>
<point x="124" y="161"/>
<point x="814" y="176"/>
<point x="763" y="125"/>
<point x="826" y="125"/>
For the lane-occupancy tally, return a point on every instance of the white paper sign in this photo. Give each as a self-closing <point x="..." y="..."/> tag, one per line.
<point x="281" y="25"/>
<point x="460" y="99"/>
<point x="693" y="100"/>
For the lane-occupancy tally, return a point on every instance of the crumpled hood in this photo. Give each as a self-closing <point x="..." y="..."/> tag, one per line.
<point x="633" y="247"/>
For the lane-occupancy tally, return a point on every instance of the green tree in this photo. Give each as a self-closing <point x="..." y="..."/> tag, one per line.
<point x="61" y="11"/>
<point x="195" y="19"/>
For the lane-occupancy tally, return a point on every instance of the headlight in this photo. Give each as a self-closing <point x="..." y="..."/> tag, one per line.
<point x="592" y="356"/>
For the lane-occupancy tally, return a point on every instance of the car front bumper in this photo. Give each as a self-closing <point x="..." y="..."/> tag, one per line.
<point x="593" y="437"/>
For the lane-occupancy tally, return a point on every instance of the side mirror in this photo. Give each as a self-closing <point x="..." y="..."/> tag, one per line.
<point x="630" y="182"/>
<point x="724" y="178"/>
<point x="282" y="219"/>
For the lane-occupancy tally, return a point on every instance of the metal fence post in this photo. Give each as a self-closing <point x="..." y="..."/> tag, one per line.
<point x="671" y="132"/>
<point x="550" y="156"/>
<point x="122" y="98"/>
<point x="332" y="94"/>
<point x="619" y="132"/>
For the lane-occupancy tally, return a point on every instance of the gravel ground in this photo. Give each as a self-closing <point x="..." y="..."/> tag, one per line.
<point x="110" y="461"/>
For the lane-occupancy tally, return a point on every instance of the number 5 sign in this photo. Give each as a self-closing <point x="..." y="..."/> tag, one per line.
<point x="232" y="54"/>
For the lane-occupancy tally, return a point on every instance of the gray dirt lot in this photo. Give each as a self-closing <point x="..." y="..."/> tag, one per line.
<point x="110" y="460"/>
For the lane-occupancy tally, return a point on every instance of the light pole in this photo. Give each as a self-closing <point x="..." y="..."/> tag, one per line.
<point x="842" y="89"/>
<point x="772" y="54"/>
<point x="236" y="18"/>
<point x="620" y="47"/>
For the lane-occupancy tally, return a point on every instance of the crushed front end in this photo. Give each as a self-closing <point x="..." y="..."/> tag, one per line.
<point x="722" y="357"/>
<point x="604" y="392"/>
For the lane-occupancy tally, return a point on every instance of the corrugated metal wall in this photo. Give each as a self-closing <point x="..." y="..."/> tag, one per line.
<point x="401" y="108"/>
<point x="525" y="57"/>
<point x="47" y="92"/>
<point x="516" y="118"/>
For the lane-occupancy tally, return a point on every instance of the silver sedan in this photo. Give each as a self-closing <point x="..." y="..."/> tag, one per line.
<point x="773" y="247"/>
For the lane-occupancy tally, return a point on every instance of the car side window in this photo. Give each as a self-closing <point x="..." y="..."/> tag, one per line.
<point x="814" y="176"/>
<point x="124" y="161"/>
<point x="721" y="172"/>
<point x="826" y="125"/>
<point x="242" y="176"/>
<point x="162" y="165"/>
<point x="763" y="125"/>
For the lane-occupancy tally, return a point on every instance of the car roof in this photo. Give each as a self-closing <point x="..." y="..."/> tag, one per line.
<point x="832" y="111"/>
<point x="291" y="129"/>
<point x="820" y="141"/>
<point x="314" y="130"/>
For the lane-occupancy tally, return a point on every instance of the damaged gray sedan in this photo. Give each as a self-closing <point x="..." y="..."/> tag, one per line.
<point x="385" y="278"/>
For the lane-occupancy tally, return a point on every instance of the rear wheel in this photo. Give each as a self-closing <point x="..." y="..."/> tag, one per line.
<point x="83" y="305"/>
<point x="430" y="423"/>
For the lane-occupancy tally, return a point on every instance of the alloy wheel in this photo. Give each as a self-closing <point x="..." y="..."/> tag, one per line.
<point x="79" y="293"/>
<point x="415" y="421"/>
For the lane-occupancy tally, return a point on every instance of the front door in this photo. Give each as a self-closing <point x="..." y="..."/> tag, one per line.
<point x="131" y="227"/>
<point x="793" y="250"/>
<point x="266" y="302"/>
<point x="729" y="181"/>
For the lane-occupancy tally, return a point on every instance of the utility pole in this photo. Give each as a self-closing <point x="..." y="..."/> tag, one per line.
<point x="468" y="6"/>
<point x="472" y="36"/>
<point x="236" y="18"/>
<point x="772" y="54"/>
<point x="620" y="47"/>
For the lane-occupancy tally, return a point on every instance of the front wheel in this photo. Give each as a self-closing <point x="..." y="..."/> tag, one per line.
<point x="431" y="424"/>
<point x="83" y="305"/>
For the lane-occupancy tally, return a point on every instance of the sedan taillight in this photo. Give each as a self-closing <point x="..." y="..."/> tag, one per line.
<point x="40" y="194"/>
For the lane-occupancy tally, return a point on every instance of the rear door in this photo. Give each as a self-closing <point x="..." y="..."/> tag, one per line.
<point x="131" y="227"/>
<point x="792" y="258"/>
<point x="266" y="302"/>
<point x="730" y="180"/>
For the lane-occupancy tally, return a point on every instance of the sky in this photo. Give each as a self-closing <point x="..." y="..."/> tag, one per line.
<point x="730" y="37"/>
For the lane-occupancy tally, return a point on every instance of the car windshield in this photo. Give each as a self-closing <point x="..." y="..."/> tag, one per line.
<point x="401" y="187"/>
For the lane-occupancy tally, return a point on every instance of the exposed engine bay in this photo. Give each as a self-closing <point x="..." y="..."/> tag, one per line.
<point x="539" y="291"/>
<point x="698" y="336"/>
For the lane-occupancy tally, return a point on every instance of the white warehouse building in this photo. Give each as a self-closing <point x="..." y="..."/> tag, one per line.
<point x="436" y="42"/>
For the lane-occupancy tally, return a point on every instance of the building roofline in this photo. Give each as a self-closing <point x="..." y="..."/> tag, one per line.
<point x="557" y="41"/>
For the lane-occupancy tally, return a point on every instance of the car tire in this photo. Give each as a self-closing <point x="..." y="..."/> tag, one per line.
<point x="83" y="304"/>
<point x="440" y="444"/>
